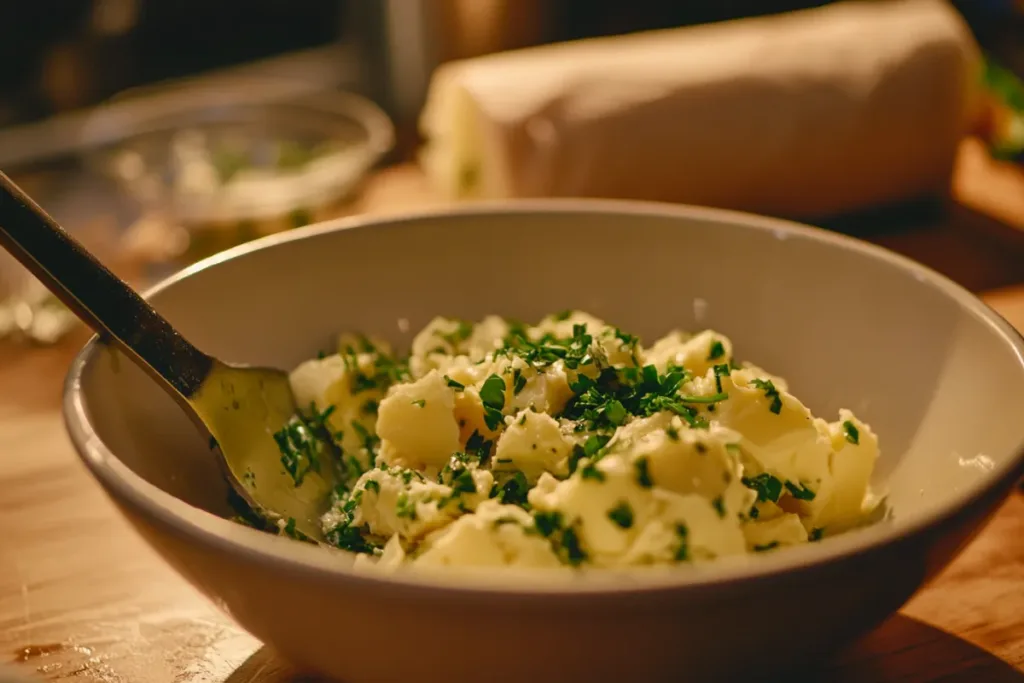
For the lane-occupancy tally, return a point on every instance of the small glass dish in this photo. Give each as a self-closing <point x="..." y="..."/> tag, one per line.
<point x="218" y="168"/>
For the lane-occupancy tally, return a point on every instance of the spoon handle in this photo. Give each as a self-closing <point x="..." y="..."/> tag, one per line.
<point x="104" y="301"/>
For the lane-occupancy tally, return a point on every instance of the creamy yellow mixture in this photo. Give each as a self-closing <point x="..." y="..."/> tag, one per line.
<point x="568" y="443"/>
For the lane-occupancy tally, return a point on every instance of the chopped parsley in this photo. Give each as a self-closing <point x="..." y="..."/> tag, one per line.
<point x="513" y="490"/>
<point x="304" y="442"/>
<point x="622" y="515"/>
<point x="385" y="371"/>
<point x="719" y="505"/>
<point x="799" y="491"/>
<point x="547" y="523"/>
<point x="672" y="433"/>
<point x="492" y="395"/>
<point x="722" y="370"/>
<point x="816" y="534"/>
<point x="716" y="350"/>
<point x="463" y="482"/>
<point x="344" y="534"/>
<point x="590" y="471"/>
<point x="420" y="402"/>
<point x="683" y="549"/>
<point x="852" y="433"/>
<point x="372" y="485"/>
<point x="766" y="547"/>
<point x="770" y="393"/>
<point x="479" y="447"/>
<point x="518" y="381"/>
<point x="460" y="334"/>
<point x="573" y="351"/>
<point x="768" y="488"/>
<point x="643" y="473"/>
<point x="570" y="549"/>
<point x="457" y="386"/>
<point x="405" y="507"/>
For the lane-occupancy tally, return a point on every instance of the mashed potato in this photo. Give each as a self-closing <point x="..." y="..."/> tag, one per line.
<point x="569" y="443"/>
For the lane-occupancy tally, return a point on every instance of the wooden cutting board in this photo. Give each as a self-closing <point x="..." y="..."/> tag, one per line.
<point x="83" y="598"/>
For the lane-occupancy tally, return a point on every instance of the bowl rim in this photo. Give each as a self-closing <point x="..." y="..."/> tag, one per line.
<point x="188" y="522"/>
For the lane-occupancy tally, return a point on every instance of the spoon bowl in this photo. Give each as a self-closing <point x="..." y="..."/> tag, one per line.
<point x="239" y="409"/>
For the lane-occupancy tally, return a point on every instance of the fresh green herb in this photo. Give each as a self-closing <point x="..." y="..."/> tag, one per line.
<point x="590" y="471"/>
<point x="492" y="395"/>
<point x="799" y="491"/>
<point x="714" y="398"/>
<point x="346" y="536"/>
<point x="571" y="548"/>
<point x="547" y="523"/>
<point x="370" y="407"/>
<point x="594" y="443"/>
<point x="766" y="547"/>
<point x="816" y="534"/>
<point x="615" y="412"/>
<point x="754" y="512"/>
<point x="672" y="433"/>
<point x="502" y="521"/>
<point x="457" y="386"/>
<point x="460" y="334"/>
<point x="719" y="505"/>
<point x="479" y="447"/>
<point x="513" y="491"/>
<point x="463" y="482"/>
<point x="768" y="488"/>
<point x="518" y="381"/>
<point x="249" y="477"/>
<point x="716" y="350"/>
<point x="372" y="485"/>
<point x="304" y="442"/>
<point x="770" y="393"/>
<point x="291" y="532"/>
<point x="643" y="474"/>
<point x="405" y="507"/>
<point x="852" y="433"/>
<point x="522" y="419"/>
<point x="573" y="352"/>
<point x="420" y="402"/>
<point x="622" y="515"/>
<point x="683" y="549"/>
<point x="386" y="370"/>
<point x="721" y="371"/>
<point x="370" y="440"/>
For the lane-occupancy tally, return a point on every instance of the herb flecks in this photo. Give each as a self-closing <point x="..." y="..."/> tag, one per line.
<point x="683" y="538"/>
<point x="770" y="393"/>
<point x="716" y="350"/>
<point x="304" y="443"/>
<point x="851" y="432"/>
<point x="643" y="472"/>
<point x="492" y="395"/>
<point x="768" y="488"/>
<point x="622" y="515"/>
<point x="799" y="491"/>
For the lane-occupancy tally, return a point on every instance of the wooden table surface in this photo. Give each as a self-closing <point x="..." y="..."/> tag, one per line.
<point x="82" y="597"/>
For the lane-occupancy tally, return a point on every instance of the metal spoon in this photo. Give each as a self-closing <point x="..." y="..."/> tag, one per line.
<point x="238" y="408"/>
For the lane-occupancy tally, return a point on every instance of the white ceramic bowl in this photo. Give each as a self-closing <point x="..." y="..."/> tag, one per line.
<point x="937" y="374"/>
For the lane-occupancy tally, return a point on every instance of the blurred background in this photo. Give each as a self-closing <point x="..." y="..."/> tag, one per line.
<point x="161" y="131"/>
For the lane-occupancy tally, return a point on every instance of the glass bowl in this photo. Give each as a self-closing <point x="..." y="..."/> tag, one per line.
<point x="219" y="168"/>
